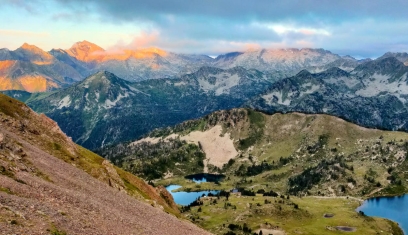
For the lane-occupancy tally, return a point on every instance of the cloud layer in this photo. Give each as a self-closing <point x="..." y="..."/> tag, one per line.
<point x="360" y="28"/>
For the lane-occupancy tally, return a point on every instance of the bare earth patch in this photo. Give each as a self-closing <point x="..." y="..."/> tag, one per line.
<point x="218" y="149"/>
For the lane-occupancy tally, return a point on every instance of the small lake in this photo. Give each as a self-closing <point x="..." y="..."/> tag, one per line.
<point x="393" y="208"/>
<point x="205" y="177"/>
<point x="185" y="198"/>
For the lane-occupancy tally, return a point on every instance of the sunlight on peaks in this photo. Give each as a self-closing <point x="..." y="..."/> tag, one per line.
<point x="5" y="65"/>
<point x="34" y="83"/>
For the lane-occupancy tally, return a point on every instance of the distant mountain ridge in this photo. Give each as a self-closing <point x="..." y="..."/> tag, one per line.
<point x="31" y="69"/>
<point x="60" y="68"/>
<point x="101" y="109"/>
<point x="374" y="94"/>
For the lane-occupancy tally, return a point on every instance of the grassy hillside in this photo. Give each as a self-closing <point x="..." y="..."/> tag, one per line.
<point x="324" y="164"/>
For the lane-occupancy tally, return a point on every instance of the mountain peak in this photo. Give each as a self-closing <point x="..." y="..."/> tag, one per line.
<point x="303" y="72"/>
<point x="86" y="51"/>
<point x="334" y="72"/>
<point x="105" y="76"/>
<point x="87" y="45"/>
<point x="401" y="56"/>
<point x="30" y="47"/>
<point x="34" y="54"/>
<point x="383" y="65"/>
<point x="348" y="57"/>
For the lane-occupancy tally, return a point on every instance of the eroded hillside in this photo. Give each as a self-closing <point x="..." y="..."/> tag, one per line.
<point x="48" y="184"/>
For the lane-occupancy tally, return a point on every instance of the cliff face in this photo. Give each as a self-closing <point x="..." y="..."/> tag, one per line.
<point x="49" y="184"/>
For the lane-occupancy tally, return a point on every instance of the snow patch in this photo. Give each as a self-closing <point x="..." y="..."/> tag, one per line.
<point x="309" y="88"/>
<point x="379" y="83"/>
<point x="65" y="102"/>
<point x="180" y="83"/>
<point x="109" y="104"/>
<point x="223" y="83"/>
<point x="269" y="98"/>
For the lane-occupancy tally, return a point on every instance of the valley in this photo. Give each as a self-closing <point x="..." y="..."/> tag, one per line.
<point x="303" y="157"/>
<point x="193" y="117"/>
<point x="277" y="155"/>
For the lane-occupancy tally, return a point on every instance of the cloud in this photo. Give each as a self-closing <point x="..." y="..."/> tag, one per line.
<point x="29" y="6"/>
<point x="363" y="27"/>
<point x="262" y="10"/>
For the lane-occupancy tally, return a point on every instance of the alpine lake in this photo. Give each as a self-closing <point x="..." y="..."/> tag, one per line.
<point x="393" y="208"/>
<point x="185" y="198"/>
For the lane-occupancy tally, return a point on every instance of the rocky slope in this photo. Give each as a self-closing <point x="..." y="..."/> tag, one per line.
<point x="279" y="62"/>
<point x="346" y="63"/>
<point x="31" y="69"/>
<point x="374" y="94"/>
<point x="48" y="184"/>
<point x="104" y="109"/>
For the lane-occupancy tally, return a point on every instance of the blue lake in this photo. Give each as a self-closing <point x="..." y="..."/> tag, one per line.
<point x="185" y="198"/>
<point x="393" y="208"/>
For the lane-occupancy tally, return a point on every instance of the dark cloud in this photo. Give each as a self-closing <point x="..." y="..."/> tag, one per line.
<point x="357" y="27"/>
<point x="262" y="10"/>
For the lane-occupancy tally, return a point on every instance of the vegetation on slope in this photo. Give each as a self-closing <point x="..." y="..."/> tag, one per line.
<point x="311" y="159"/>
<point x="153" y="160"/>
<point x="16" y="117"/>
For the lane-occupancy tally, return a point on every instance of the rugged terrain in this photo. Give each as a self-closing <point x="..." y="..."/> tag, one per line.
<point x="306" y="159"/>
<point x="374" y="94"/>
<point x="49" y="185"/>
<point x="32" y="69"/>
<point x="105" y="109"/>
<point x="369" y="93"/>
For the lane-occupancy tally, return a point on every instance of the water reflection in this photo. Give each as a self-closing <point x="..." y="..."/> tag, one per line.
<point x="185" y="198"/>
<point x="393" y="208"/>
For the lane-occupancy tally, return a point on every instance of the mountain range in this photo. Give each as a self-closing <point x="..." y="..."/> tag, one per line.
<point x="100" y="109"/>
<point x="32" y="69"/>
<point x="104" y="108"/>
<point x="374" y="94"/>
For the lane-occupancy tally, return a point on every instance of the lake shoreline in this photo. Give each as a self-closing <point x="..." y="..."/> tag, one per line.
<point x="379" y="197"/>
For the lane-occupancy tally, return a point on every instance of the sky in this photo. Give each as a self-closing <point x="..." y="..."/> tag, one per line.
<point x="360" y="28"/>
